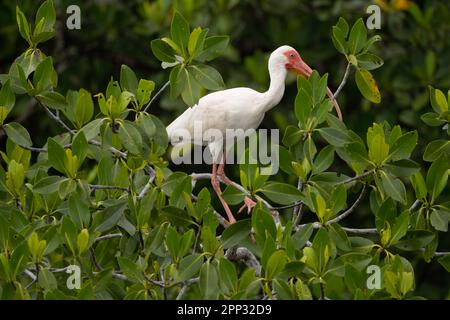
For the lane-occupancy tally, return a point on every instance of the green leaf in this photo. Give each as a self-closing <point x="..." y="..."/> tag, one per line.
<point x="128" y="79"/>
<point x="334" y="136"/>
<point x="162" y="51"/>
<point x="227" y="275"/>
<point x="281" y="193"/>
<point x="130" y="269"/>
<point x="80" y="146"/>
<point x="189" y="267"/>
<point x="196" y="41"/>
<point x="432" y="119"/>
<point x="48" y="185"/>
<point x="180" y="33"/>
<point x="369" y="61"/>
<point x="236" y="233"/>
<point x="191" y="91"/>
<point x="209" y="281"/>
<point x="437" y="177"/>
<point x="84" y="108"/>
<point x="232" y="195"/>
<point x="435" y="149"/>
<point x="367" y="85"/>
<point x="79" y="211"/>
<point x="403" y="146"/>
<point x="53" y="100"/>
<point x="56" y="155"/>
<point x="7" y="97"/>
<point x="323" y="160"/>
<point x="303" y="106"/>
<point x="214" y="46"/>
<point x="18" y="134"/>
<point x="393" y="187"/>
<point x="110" y="216"/>
<point x="438" y="100"/>
<point x="439" y="219"/>
<point x="207" y="76"/>
<point x="46" y="12"/>
<point x="24" y="28"/>
<point x="415" y="240"/>
<point x="399" y="228"/>
<point x="358" y="36"/>
<point x="47" y="280"/>
<point x="445" y="262"/>
<point x="275" y="264"/>
<point x="130" y="137"/>
<point x="144" y="91"/>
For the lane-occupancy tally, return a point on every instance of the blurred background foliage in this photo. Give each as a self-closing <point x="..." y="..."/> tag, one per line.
<point x="415" y="48"/>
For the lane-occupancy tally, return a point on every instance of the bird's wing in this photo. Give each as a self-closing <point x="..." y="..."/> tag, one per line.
<point x="219" y="110"/>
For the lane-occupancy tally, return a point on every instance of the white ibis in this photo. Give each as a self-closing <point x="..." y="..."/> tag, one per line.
<point x="238" y="108"/>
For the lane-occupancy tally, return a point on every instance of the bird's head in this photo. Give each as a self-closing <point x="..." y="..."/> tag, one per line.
<point x="289" y="58"/>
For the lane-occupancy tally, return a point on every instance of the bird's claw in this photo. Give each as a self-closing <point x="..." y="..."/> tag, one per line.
<point x="249" y="204"/>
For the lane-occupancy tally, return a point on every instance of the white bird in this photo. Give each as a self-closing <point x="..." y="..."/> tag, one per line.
<point x="238" y="108"/>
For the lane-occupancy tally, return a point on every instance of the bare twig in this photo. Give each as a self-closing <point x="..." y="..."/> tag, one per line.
<point x="146" y="187"/>
<point x="441" y="254"/>
<point x="350" y="210"/>
<point x="57" y="118"/>
<point x="360" y="231"/>
<point x="33" y="149"/>
<point x="157" y="95"/>
<point x="343" y="82"/>
<point x="414" y="206"/>
<point x="186" y="285"/>
<point x="109" y="236"/>
<point x="105" y="187"/>
<point x="365" y="174"/>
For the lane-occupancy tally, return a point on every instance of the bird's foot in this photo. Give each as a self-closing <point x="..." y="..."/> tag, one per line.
<point x="249" y="204"/>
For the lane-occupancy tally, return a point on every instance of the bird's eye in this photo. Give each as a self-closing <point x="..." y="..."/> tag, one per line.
<point x="291" y="55"/>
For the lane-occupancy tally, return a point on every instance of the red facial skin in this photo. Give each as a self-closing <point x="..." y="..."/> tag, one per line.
<point x="296" y="64"/>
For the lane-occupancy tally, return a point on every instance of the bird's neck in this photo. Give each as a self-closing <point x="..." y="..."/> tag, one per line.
<point x="276" y="89"/>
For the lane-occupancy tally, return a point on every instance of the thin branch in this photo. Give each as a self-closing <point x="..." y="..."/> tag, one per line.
<point x="365" y="174"/>
<point x="350" y="210"/>
<point x="33" y="149"/>
<point x="56" y="118"/>
<point x="292" y="205"/>
<point x="343" y="82"/>
<point x="113" y="150"/>
<point x="414" y="206"/>
<point x="146" y="187"/>
<point x="186" y="285"/>
<point x="95" y="187"/>
<point x="441" y="254"/>
<point x="157" y="95"/>
<point x="360" y="231"/>
<point x="109" y="236"/>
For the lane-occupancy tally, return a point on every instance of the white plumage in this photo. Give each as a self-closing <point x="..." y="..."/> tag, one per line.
<point x="237" y="108"/>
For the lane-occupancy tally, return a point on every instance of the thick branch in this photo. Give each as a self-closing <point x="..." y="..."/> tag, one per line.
<point x="246" y="256"/>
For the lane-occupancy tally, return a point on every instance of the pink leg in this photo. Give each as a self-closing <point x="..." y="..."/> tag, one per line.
<point x="249" y="204"/>
<point x="216" y="186"/>
<point x="222" y="175"/>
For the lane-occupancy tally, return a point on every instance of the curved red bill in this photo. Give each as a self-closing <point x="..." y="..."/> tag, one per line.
<point x="302" y="68"/>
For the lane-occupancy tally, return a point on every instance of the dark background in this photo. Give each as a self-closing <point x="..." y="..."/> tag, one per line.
<point x="415" y="47"/>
